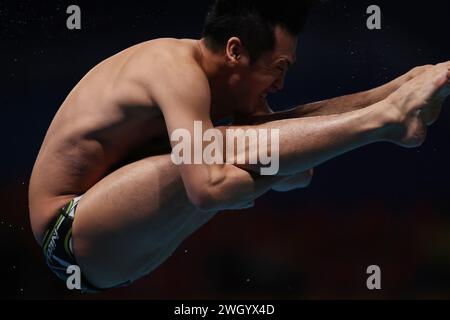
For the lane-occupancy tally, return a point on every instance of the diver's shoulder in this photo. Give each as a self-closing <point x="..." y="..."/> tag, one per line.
<point x="170" y="62"/>
<point x="169" y="43"/>
<point x="170" y="56"/>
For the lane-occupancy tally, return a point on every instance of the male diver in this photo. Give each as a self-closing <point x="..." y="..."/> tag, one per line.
<point x="104" y="192"/>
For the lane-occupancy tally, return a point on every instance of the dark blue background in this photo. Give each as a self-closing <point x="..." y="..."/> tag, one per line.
<point x="380" y="204"/>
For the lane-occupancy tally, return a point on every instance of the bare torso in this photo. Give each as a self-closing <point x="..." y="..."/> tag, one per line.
<point x="108" y="120"/>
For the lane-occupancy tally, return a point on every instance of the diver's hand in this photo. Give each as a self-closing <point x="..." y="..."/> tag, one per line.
<point x="417" y="104"/>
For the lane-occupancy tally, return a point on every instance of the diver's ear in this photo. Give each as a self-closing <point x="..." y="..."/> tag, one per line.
<point x="235" y="51"/>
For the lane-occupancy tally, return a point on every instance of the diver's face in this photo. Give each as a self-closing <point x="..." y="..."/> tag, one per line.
<point x="266" y="75"/>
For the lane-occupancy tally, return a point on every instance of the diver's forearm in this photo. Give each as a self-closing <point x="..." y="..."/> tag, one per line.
<point x="338" y="105"/>
<point x="347" y="103"/>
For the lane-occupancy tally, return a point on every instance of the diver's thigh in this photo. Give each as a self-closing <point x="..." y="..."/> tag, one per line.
<point x="125" y="222"/>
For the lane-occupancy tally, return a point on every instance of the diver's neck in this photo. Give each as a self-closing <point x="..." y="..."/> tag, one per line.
<point x="218" y="77"/>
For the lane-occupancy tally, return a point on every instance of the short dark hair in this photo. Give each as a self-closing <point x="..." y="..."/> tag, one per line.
<point x="253" y="21"/>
